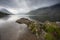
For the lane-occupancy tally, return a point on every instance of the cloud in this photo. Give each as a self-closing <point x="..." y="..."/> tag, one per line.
<point x="8" y="3"/>
<point x="14" y="6"/>
<point x="41" y="3"/>
<point x="23" y="6"/>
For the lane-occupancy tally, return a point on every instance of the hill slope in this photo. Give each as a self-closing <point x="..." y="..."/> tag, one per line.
<point x="4" y="12"/>
<point x="51" y="13"/>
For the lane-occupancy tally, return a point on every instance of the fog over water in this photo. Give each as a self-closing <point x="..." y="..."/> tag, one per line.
<point x="10" y="30"/>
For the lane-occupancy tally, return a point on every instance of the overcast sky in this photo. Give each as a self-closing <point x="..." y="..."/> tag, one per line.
<point x="23" y="6"/>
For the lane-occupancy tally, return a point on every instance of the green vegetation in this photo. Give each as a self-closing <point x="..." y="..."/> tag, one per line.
<point x="52" y="14"/>
<point x="48" y="36"/>
<point x="51" y="31"/>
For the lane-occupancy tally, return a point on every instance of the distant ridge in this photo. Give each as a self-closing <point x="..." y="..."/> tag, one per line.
<point x="4" y="13"/>
<point x="51" y="13"/>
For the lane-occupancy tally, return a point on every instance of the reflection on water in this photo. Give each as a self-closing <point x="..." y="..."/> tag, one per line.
<point x="12" y="18"/>
<point x="9" y="29"/>
<point x="15" y="17"/>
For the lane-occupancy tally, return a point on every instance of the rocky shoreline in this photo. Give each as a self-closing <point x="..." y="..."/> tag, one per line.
<point x="51" y="30"/>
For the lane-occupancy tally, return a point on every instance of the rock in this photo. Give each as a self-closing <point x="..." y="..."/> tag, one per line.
<point x="33" y="26"/>
<point x="46" y="31"/>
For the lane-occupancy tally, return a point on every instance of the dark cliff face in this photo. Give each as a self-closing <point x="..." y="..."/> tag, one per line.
<point x="51" y="13"/>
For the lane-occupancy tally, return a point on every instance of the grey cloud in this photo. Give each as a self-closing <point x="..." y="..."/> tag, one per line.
<point x="8" y="3"/>
<point x="26" y="4"/>
<point x="29" y="3"/>
<point x="41" y="3"/>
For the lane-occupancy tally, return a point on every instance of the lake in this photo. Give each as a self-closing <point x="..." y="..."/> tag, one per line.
<point x="10" y="30"/>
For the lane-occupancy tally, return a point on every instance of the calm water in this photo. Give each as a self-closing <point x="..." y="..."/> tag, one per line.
<point x="9" y="29"/>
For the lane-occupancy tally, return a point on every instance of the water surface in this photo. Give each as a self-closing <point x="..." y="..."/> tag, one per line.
<point x="9" y="29"/>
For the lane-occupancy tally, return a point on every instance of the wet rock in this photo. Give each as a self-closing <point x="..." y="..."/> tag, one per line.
<point x="33" y="26"/>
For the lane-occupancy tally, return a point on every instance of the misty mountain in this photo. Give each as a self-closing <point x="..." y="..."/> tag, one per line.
<point x="4" y="13"/>
<point x="51" y="13"/>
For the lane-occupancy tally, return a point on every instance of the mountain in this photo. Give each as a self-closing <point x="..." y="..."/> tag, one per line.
<point x="51" y="13"/>
<point x="4" y="13"/>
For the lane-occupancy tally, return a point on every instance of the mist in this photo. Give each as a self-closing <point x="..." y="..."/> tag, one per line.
<point x="24" y="6"/>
